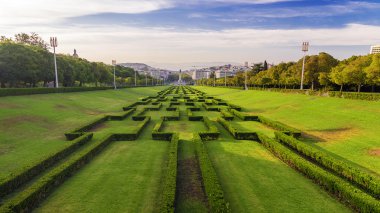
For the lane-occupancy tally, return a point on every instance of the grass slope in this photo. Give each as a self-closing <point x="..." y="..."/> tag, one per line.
<point x="345" y="128"/>
<point x="33" y="126"/>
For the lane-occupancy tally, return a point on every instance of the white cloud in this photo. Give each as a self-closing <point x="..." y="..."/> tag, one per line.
<point x="48" y="11"/>
<point x="103" y="43"/>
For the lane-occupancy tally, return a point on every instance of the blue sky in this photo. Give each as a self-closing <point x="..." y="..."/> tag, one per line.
<point x="167" y="32"/>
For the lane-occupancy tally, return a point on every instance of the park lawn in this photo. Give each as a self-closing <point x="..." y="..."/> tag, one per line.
<point x="253" y="180"/>
<point x="130" y="171"/>
<point x="33" y="126"/>
<point x="346" y="128"/>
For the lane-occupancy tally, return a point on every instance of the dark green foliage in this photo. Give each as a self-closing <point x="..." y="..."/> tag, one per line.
<point x="87" y="127"/>
<point x="281" y="127"/>
<point x="240" y="135"/>
<point x="16" y="179"/>
<point x="368" y="182"/>
<point x="212" y="132"/>
<point x="213" y="189"/>
<point x="131" y="106"/>
<point x="349" y="194"/>
<point x="157" y="135"/>
<point x="244" y="116"/>
<point x="170" y="178"/>
<point x="226" y="115"/>
<point x="32" y="91"/>
<point x="122" y="116"/>
<point x="355" y="95"/>
<point x="210" y="108"/>
<point x="139" y="115"/>
<point x="193" y="117"/>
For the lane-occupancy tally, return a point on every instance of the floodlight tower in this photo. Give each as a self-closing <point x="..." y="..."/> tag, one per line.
<point x="305" y="48"/>
<point x="54" y="44"/>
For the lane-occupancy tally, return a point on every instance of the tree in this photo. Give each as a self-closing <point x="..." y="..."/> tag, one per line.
<point x="265" y="66"/>
<point x="373" y="71"/>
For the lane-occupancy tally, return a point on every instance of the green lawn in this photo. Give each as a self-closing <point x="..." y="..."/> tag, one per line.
<point x="33" y="126"/>
<point x="123" y="178"/>
<point x="346" y="128"/>
<point x="254" y="180"/>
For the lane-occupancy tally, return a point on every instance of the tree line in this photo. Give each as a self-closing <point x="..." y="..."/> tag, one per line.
<point x="322" y="72"/>
<point x="25" y="61"/>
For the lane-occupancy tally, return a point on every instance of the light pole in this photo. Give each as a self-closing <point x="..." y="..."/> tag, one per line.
<point x="245" y="80"/>
<point x="225" y="78"/>
<point x="214" y="78"/>
<point x="135" y="78"/>
<point x="114" y="73"/>
<point x="305" y="48"/>
<point x="146" y="79"/>
<point x="54" y="44"/>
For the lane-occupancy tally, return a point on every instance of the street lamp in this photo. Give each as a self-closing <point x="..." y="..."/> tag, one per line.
<point x="146" y="79"/>
<point x="114" y="73"/>
<point x="305" y="48"/>
<point x="54" y="44"/>
<point x="214" y="78"/>
<point x="245" y="80"/>
<point x="135" y="78"/>
<point x="225" y="78"/>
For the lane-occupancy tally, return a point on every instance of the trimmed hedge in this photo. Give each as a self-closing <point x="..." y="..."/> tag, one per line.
<point x="16" y="179"/>
<point x="212" y="133"/>
<point x="239" y="135"/>
<point x="139" y="115"/>
<point x="81" y="130"/>
<point x="210" y="108"/>
<point x="368" y="182"/>
<point x="44" y="90"/>
<point x="234" y="106"/>
<point x="156" y="107"/>
<point x="122" y="116"/>
<point x="213" y="189"/>
<point x="131" y="106"/>
<point x="281" y="127"/>
<point x="244" y="116"/>
<point x="170" y="178"/>
<point x="193" y="117"/>
<point x="226" y="115"/>
<point x="157" y="135"/>
<point x="29" y="198"/>
<point x="352" y="196"/>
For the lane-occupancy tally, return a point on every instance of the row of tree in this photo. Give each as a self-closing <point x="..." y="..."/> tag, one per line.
<point x="26" y="61"/>
<point x="322" y="71"/>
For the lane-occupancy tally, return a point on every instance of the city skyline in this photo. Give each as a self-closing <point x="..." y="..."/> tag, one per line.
<point x="172" y="32"/>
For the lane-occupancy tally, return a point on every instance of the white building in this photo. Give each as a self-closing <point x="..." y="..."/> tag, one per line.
<point x="199" y="74"/>
<point x="375" y="49"/>
<point x="222" y="73"/>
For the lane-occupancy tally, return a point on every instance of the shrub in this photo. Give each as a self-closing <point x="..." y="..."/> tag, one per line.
<point x="369" y="182"/>
<point x="139" y="115"/>
<point x="81" y="130"/>
<point x="157" y="135"/>
<point x="240" y="135"/>
<point x="234" y="106"/>
<point x="212" y="132"/>
<point x="213" y="189"/>
<point x="131" y="106"/>
<point x="122" y="116"/>
<point x="281" y="127"/>
<point x="226" y="115"/>
<point x="170" y="178"/>
<point x="16" y="179"/>
<point x="32" y="91"/>
<point x="244" y="116"/>
<point x="210" y="108"/>
<point x="351" y="195"/>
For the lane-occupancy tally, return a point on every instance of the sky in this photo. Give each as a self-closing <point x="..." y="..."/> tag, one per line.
<point x="176" y="34"/>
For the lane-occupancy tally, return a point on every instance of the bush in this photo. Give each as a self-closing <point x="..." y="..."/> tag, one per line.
<point x="226" y="115"/>
<point x="122" y="116"/>
<point x="29" y="198"/>
<point x="351" y="195"/>
<point x="32" y="91"/>
<point x="170" y="178"/>
<point x="139" y="115"/>
<point x="234" y="106"/>
<point x="157" y="135"/>
<point x="210" y="108"/>
<point x="81" y="130"/>
<point x="244" y="116"/>
<point x="281" y="127"/>
<point x="212" y="132"/>
<point x="154" y="108"/>
<point x="369" y="182"/>
<point x="213" y="189"/>
<point x="240" y="135"/>
<point x="16" y="179"/>
<point x="131" y="106"/>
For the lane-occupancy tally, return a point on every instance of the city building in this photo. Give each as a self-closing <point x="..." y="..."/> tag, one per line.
<point x="375" y="49"/>
<point x="199" y="74"/>
<point x="222" y="73"/>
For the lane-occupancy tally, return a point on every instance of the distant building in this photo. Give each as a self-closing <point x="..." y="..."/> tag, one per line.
<point x="375" y="49"/>
<point x="222" y="74"/>
<point x="75" y="55"/>
<point x="199" y="74"/>
<point x="246" y="64"/>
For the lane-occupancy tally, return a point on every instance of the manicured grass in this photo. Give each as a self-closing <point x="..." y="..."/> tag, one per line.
<point x="33" y="126"/>
<point x="254" y="180"/>
<point x="123" y="178"/>
<point x="346" y="128"/>
<point x="185" y="128"/>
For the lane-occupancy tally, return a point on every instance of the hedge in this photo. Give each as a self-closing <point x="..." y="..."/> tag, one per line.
<point x="244" y="116"/>
<point x="156" y="107"/>
<point x="131" y="106"/>
<point x="29" y="198"/>
<point x="139" y="115"/>
<point x="16" y="179"/>
<point x="32" y="91"/>
<point x="122" y="116"/>
<point x="240" y="135"/>
<point x="226" y="115"/>
<point x="280" y="126"/>
<point x="170" y="178"/>
<point x="80" y="131"/>
<point x="212" y="132"/>
<point x="174" y="117"/>
<point x="157" y="135"/>
<point x="234" y="106"/>
<point x="210" y="108"/>
<point x="367" y="181"/>
<point x="352" y="196"/>
<point x="213" y="189"/>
